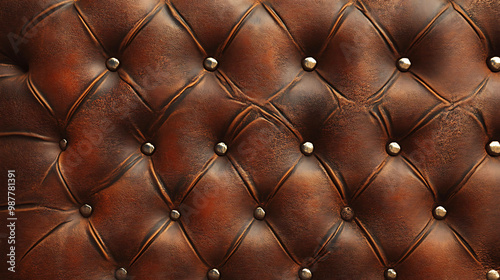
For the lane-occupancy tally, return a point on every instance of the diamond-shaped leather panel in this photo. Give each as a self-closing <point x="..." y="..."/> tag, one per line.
<point x="254" y="164"/>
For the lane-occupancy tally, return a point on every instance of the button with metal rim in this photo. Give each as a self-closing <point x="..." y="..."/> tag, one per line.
<point x="220" y="148"/>
<point x="86" y="210"/>
<point x="390" y="274"/>
<point x="63" y="144"/>
<point x="492" y="275"/>
<point x="309" y="63"/>
<point x="347" y="214"/>
<point x="121" y="274"/>
<point x="493" y="148"/>
<point x="393" y="149"/>
<point x="307" y="148"/>
<point x="494" y="63"/>
<point x="148" y="149"/>
<point x="210" y="64"/>
<point x="175" y="215"/>
<point x="440" y="212"/>
<point x="259" y="213"/>
<point x="404" y="64"/>
<point x="213" y="274"/>
<point x="305" y="274"/>
<point x="113" y="64"/>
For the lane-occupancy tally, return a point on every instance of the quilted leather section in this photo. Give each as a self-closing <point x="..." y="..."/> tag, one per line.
<point x="349" y="209"/>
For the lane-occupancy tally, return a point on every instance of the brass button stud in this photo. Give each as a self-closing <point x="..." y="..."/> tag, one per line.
<point x="112" y="64"/>
<point x="390" y="274"/>
<point x="439" y="212"/>
<point x="309" y="63"/>
<point x="404" y="64"/>
<point x="493" y="148"/>
<point x="494" y="63"/>
<point x="259" y="213"/>
<point x="307" y="148"/>
<point x="121" y="274"/>
<point x="63" y="144"/>
<point x="305" y="274"/>
<point x="220" y="148"/>
<point x="213" y="274"/>
<point x="175" y="215"/>
<point x="492" y="275"/>
<point x="148" y="149"/>
<point x="347" y="214"/>
<point x="393" y="149"/>
<point x="210" y="64"/>
<point x="86" y="210"/>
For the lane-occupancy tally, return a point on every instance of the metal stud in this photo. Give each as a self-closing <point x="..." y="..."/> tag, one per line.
<point x="493" y="148"/>
<point x="213" y="274"/>
<point x="390" y="274"/>
<point x="494" y="63"/>
<point x="259" y="213"/>
<point x="440" y="212"/>
<point x="305" y="274"/>
<point x="404" y="64"/>
<point x="63" y="144"/>
<point x="393" y="149"/>
<point x="148" y="149"/>
<point x="309" y="63"/>
<point x="307" y="148"/>
<point x="175" y="215"/>
<point x="121" y="274"/>
<point x="210" y="64"/>
<point x="220" y="148"/>
<point x="347" y="214"/>
<point x="86" y="210"/>
<point x="113" y="64"/>
<point x="492" y="275"/>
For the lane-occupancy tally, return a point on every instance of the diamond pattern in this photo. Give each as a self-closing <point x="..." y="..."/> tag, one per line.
<point x="263" y="106"/>
<point x="397" y="199"/>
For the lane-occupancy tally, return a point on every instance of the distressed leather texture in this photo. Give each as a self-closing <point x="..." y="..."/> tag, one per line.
<point x="443" y="112"/>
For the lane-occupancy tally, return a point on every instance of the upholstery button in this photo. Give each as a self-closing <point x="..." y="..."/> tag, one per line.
<point x="440" y="212"/>
<point x="148" y="149"/>
<point x="390" y="274"/>
<point x="259" y="213"/>
<point x="393" y="149"/>
<point x="347" y="214"/>
<point x="305" y="274"/>
<point x="213" y="274"/>
<point x="492" y="275"/>
<point x="210" y="64"/>
<point x="404" y="64"/>
<point x="494" y="63"/>
<point x="63" y="144"/>
<point x="113" y="64"/>
<point x="307" y="148"/>
<point x="309" y="63"/>
<point x="175" y="215"/>
<point x="220" y="148"/>
<point x="121" y="274"/>
<point x="493" y="148"/>
<point x="86" y="210"/>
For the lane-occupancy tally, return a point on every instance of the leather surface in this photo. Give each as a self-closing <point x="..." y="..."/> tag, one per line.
<point x="443" y="112"/>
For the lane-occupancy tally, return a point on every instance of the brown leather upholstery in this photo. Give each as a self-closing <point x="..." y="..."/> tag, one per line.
<point x="140" y="188"/>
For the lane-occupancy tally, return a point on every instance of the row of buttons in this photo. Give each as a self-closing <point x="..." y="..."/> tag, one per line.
<point x="259" y="213"/>
<point x="307" y="148"/>
<point x="308" y="63"/>
<point x="304" y="274"/>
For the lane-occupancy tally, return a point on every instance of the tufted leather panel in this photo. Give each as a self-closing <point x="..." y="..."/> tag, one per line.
<point x="277" y="139"/>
